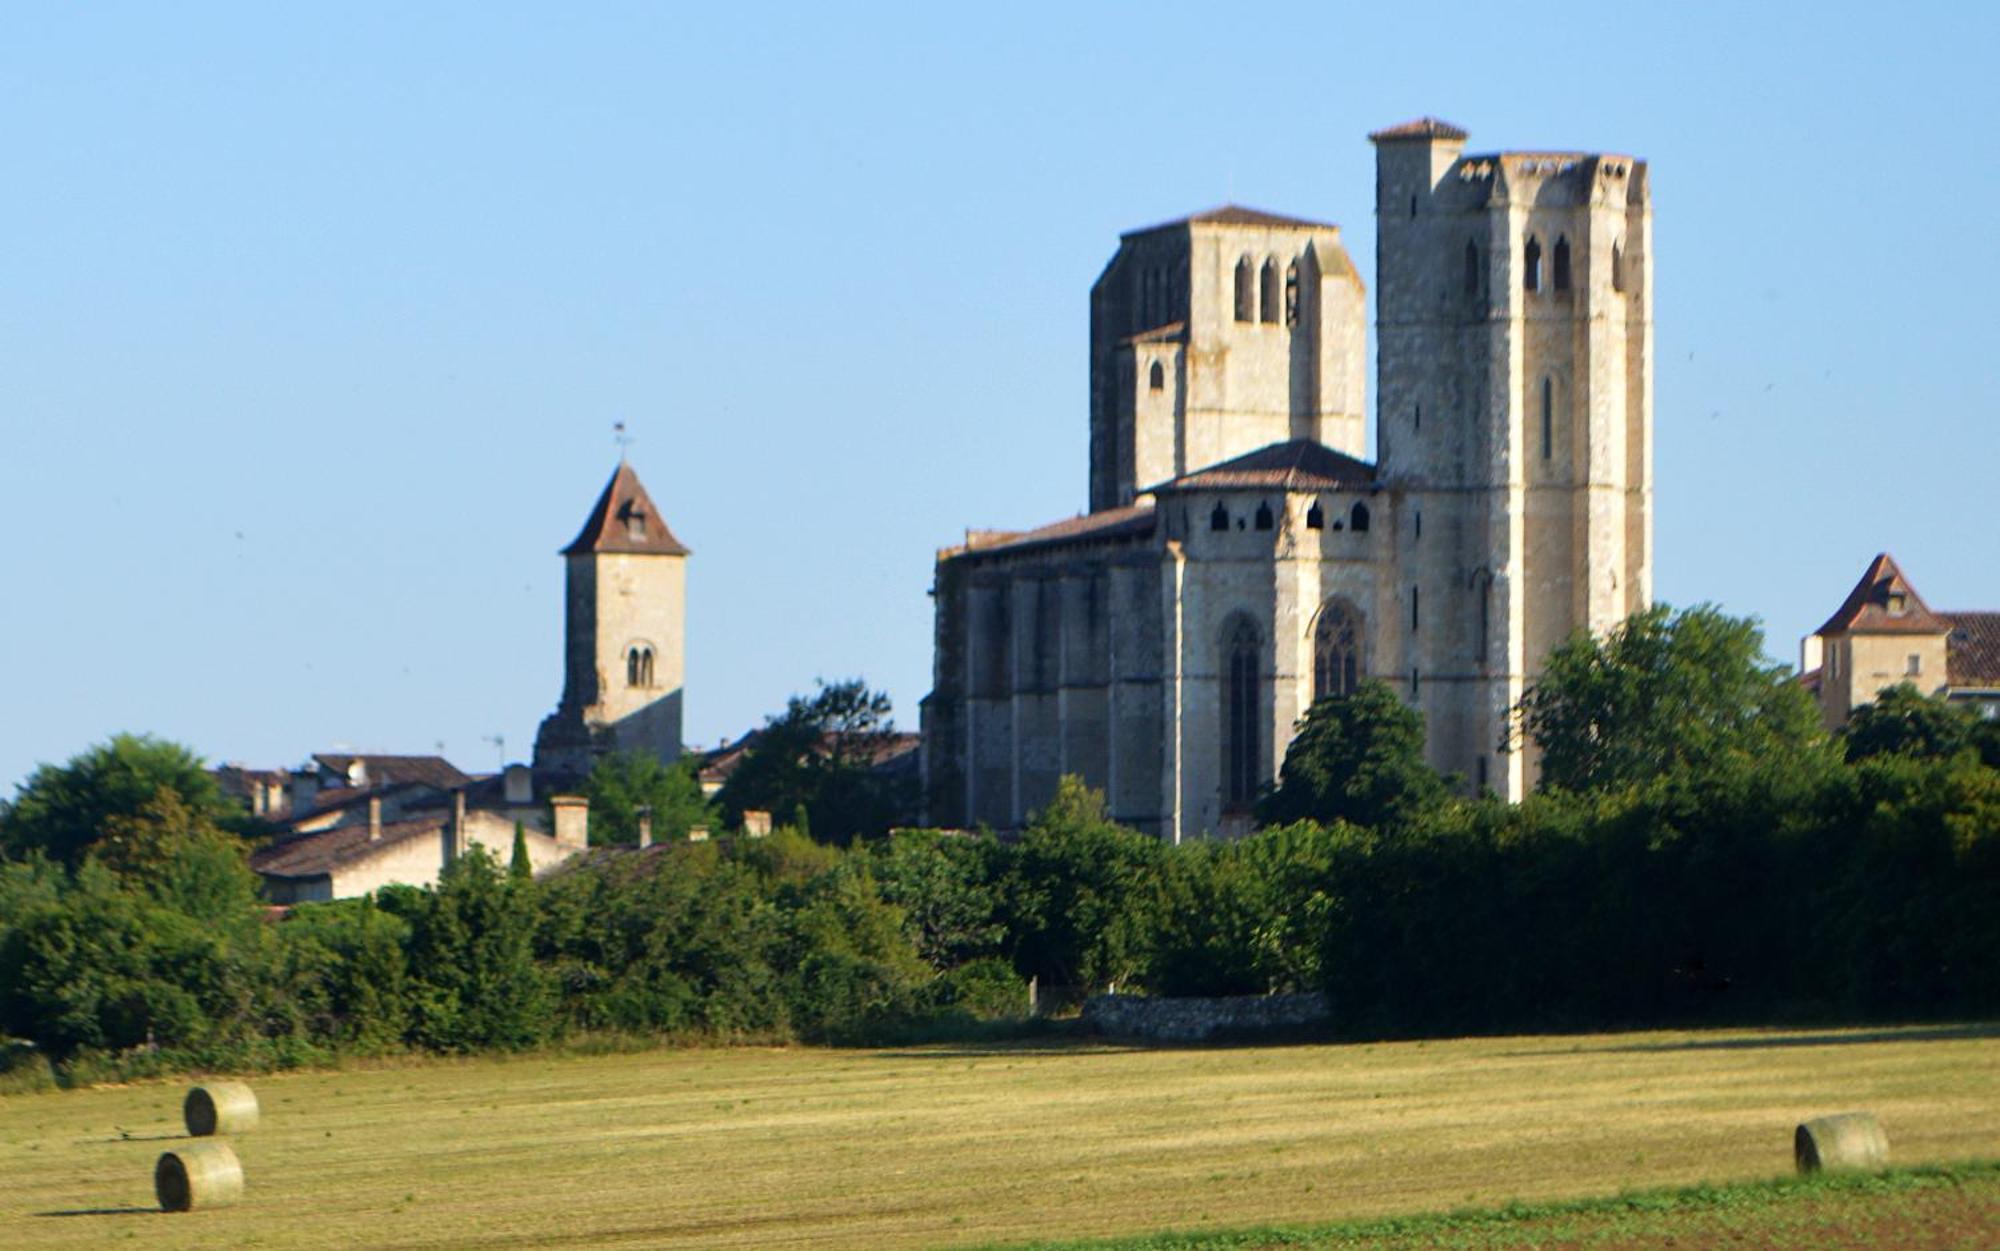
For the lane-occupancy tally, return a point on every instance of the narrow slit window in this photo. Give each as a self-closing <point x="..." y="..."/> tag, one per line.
<point x="1267" y="292"/>
<point x="1531" y="265"/>
<point x="1292" y="294"/>
<point x="1245" y="297"/>
<point x="1416" y="609"/>
<point x="1618" y="266"/>
<point x="1158" y="378"/>
<point x="1548" y="419"/>
<point x="1562" y="263"/>
<point x="1471" y="268"/>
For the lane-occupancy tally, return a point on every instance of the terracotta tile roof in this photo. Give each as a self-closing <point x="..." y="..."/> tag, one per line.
<point x="333" y="799"/>
<point x="1131" y="521"/>
<point x="1235" y="215"/>
<point x="394" y="770"/>
<point x="888" y="752"/>
<point x="1972" y="649"/>
<point x="1866" y="609"/>
<point x="1421" y="128"/>
<point x="610" y="527"/>
<point x="1296" y="465"/>
<point x="310" y="855"/>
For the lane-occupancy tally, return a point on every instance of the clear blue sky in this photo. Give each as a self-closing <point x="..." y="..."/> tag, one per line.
<point x="314" y="322"/>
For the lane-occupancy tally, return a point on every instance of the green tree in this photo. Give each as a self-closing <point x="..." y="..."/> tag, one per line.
<point x="1904" y="721"/>
<point x="1666" y="692"/>
<point x="521" y="868"/>
<point x="948" y="886"/>
<point x="822" y="755"/>
<point x="1083" y="893"/>
<point x="61" y="810"/>
<point x="623" y="783"/>
<point x="471" y="955"/>
<point x="1357" y="758"/>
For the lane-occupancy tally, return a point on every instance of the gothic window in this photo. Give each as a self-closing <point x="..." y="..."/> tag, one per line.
<point x="1548" y="418"/>
<point x="1562" y="263"/>
<point x="1292" y="294"/>
<point x="1336" y="651"/>
<point x="639" y="666"/>
<point x="1245" y="308"/>
<point x="1264" y="518"/>
<point x="1531" y="265"/>
<point x="1267" y="291"/>
<point x="1471" y="268"/>
<point x="1315" y="519"/>
<point x="1240" y="699"/>
<point x="1618" y="266"/>
<point x="1358" y="519"/>
<point x="1158" y="377"/>
<point x="1219" y="519"/>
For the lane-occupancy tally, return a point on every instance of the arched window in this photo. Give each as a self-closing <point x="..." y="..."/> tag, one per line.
<point x="1618" y="265"/>
<point x="1357" y="520"/>
<point x="1315" y="518"/>
<point x="1158" y="377"/>
<point x="1264" y="518"/>
<point x="1219" y="519"/>
<point x="1336" y="651"/>
<point x="1242" y="771"/>
<point x="1548" y="419"/>
<point x="1267" y="291"/>
<point x="1292" y="294"/>
<point x="1245" y="298"/>
<point x="1471" y="268"/>
<point x="639" y="666"/>
<point x="1562" y="262"/>
<point x="1531" y="265"/>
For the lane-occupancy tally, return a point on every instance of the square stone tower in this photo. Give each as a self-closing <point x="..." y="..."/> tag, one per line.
<point x="1217" y="334"/>
<point x="624" y="630"/>
<point x="1514" y="418"/>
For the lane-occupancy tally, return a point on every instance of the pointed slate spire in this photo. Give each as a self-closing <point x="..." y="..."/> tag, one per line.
<point x="624" y="520"/>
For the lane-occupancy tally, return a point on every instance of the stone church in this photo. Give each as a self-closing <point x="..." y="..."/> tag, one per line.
<point x="1242" y="557"/>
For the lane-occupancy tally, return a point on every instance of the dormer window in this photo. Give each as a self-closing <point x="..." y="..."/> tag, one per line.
<point x="635" y="521"/>
<point x="1899" y="605"/>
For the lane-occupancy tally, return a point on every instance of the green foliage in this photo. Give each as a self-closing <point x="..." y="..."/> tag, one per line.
<point x="623" y="783"/>
<point x="61" y="811"/>
<point x="475" y="982"/>
<point x="1664" y="693"/>
<point x="949" y="888"/>
<point x="819" y="759"/>
<point x="1357" y="758"/>
<point x="1082" y="893"/>
<point x="1904" y="721"/>
<point x="520" y="866"/>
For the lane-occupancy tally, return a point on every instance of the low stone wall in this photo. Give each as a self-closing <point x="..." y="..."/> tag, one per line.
<point x="1196" y="1020"/>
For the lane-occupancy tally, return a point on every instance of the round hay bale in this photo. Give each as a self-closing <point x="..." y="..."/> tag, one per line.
<point x="199" y="1175"/>
<point x="1850" y="1140"/>
<point x="220" y="1108"/>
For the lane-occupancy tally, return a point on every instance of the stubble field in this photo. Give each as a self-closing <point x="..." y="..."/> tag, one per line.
<point x="933" y="1147"/>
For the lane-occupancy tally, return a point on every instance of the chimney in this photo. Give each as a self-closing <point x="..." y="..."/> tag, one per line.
<point x="374" y="818"/>
<point x="519" y="784"/>
<point x="458" y="821"/>
<point x="305" y="789"/>
<point x="756" y="822"/>
<point x="572" y="820"/>
<point x="697" y="833"/>
<point x="1811" y="652"/>
<point x="645" y="828"/>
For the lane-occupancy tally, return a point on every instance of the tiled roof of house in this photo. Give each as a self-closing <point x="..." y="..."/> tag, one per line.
<point x="1133" y="520"/>
<point x="624" y="520"/>
<point x="1867" y="607"/>
<point x="886" y="752"/>
<point x="1295" y="465"/>
<point x="1972" y="649"/>
<point x="311" y="855"/>
<point x="1421" y="128"/>
<point x="391" y="770"/>
<point x="1235" y="215"/>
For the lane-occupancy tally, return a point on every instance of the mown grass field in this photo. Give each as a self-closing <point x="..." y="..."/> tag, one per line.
<point x="928" y="1147"/>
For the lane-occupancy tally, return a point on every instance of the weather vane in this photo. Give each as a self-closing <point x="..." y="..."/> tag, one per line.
<point x="622" y="439"/>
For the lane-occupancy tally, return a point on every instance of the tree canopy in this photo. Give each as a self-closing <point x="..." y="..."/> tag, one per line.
<point x="63" y="810"/>
<point x="1903" y="721"/>
<point x="1666" y="692"/>
<point x="819" y="757"/>
<point x="1357" y="758"/>
<point x="622" y="783"/>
